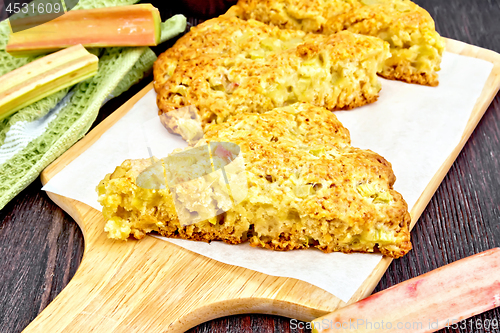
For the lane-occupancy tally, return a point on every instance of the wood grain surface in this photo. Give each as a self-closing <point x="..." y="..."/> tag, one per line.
<point x="40" y="246"/>
<point x="154" y="286"/>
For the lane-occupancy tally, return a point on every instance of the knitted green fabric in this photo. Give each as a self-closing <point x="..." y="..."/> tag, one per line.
<point x="8" y="62"/>
<point x="172" y="27"/>
<point x="31" y="112"/>
<point x="119" y="68"/>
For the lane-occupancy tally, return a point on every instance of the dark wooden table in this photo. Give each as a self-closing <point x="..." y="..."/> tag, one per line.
<point x="41" y="246"/>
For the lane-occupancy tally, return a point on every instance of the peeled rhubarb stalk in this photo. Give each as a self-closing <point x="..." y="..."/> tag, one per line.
<point x="441" y="298"/>
<point x="45" y="76"/>
<point x="135" y="25"/>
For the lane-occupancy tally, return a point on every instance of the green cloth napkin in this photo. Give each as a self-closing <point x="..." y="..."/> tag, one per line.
<point x="36" y="135"/>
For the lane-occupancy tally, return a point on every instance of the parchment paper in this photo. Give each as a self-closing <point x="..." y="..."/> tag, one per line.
<point x="414" y="127"/>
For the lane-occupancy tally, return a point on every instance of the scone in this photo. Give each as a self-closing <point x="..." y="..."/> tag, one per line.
<point x="338" y="72"/>
<point x="306" y="187"/>
<point x="227" y="37"/>
<point x="416" y="47"/>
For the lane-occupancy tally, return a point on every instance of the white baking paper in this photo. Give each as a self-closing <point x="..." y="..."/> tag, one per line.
<point x="414" y="127"/>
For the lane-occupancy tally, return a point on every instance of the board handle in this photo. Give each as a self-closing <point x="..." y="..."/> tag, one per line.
<point x="155" y="286"/>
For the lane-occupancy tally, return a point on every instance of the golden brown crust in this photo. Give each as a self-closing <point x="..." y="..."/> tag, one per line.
<point x="337" y="72"/>
<point x="407" y="27"/>
<point x="405" y="74"/>
<point x="200" y="235"/>
<point x="226" y="37"/>
<point x="307" y="187"/>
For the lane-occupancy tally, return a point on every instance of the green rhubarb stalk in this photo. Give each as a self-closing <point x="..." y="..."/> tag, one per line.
<point x="45" y="76"/>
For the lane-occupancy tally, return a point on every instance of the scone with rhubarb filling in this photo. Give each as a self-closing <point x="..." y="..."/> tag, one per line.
<point x="306" y="186"/>
<point x="416" y="47"/>
<point x="226" y="37"/>
<point x="338" y="72"/>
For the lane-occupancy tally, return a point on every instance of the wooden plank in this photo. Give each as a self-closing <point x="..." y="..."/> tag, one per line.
<point x="152" y="285"/>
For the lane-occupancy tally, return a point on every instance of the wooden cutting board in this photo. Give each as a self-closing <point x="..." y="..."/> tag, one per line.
<point x="154" y="286"/>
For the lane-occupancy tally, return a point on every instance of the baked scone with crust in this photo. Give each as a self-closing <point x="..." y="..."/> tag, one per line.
<point x="306" y="187"/>
<point x="227" y="37"/>
<point x="416" y="47"/>
<point x="338" y="72"/>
